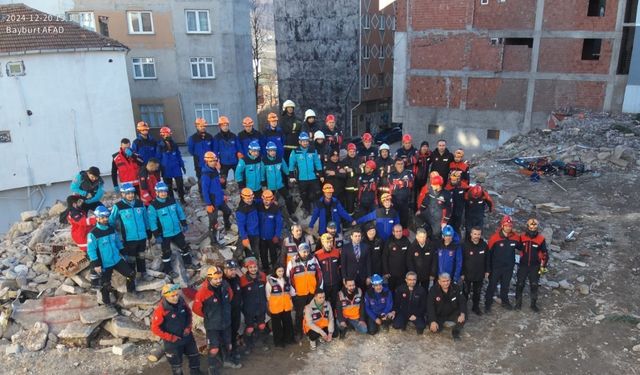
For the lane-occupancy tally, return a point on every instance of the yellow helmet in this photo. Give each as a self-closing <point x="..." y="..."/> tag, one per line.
<point x="326" y="236"/>
<point x="169" y="290"/>
<point x="214" y="270"/>
<point x="385" y="197"/>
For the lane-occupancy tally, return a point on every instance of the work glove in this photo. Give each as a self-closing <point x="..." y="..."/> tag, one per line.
<point x="210" y="209"/>
<point x="275" y="240"/>
<point x="246" y="243"/>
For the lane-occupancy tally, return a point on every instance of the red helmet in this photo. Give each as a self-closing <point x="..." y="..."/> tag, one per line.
<point x="165" y="131"/>
<point x="406" y="138"/>
<point x="476" y="191"/>
<point x="351" y="146"/>
<point x="366" y="137"/>
<point x="370" y="164"/>
<point x="330" y="118"/>
<point x="437" y="180"/>
<point x="506" y="220"/>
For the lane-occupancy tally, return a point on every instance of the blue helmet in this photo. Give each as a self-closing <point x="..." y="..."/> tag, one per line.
<point x="127" y="187"/>
<point x="304" y="247"/>
<point x="303" y="136"/>
<point x="376" y="279"/>
<point x="161" y="186"/>
<point x="254" y="146"/>
<point x="447" y="231"/>
<point x="271" y="146"/>
<point x="102" y="211"/>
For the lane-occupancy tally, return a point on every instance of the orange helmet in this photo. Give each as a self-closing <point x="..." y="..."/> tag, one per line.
<point x="210" y="156"/>
<point x="201" y="122"/>
<point x="272" y="117"/>
<point x="267" y="195"/>
<point x="142" y="126"/>
<point x="223" y="120"/>
<point x="247" y="121"/>
<point x="327" y="188"/>
<point x="169" y="290"/>
<point x="165" y="131"/>
<point x="246" y="193"/>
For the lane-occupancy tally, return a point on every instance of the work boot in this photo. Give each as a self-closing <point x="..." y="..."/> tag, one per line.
<point x="455" y="333"/>
<point x="343" y="333"/>
<point x="487" y="309"/>
<point x="534" y="307"/>
<point x="176" y="370"/>
<point x="195" y="371"/>
<point x="231" y="364"/>
<point x="420" y="331"/>
<point x="507" y="306"/>
<point x="213" y="237"/>
<point x="476" y="310"/>
<point x="518" y="305"/>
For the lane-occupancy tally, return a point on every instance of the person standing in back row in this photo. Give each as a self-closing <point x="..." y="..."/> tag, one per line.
<point x="144" y="144"/>
<point x="199" y="144"/>
<point x="291" y="126"/>
<point x="440" y="160"/>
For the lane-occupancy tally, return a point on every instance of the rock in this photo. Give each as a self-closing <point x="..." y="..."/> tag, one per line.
<point x="555" y="248"/>
<point x="547" y="233"/>
<point x="72" y="289"/>
<point x="13" y="349"/>
<point x="28" y="215"/>
<point x="123" y="327"/>
<point x="81" y="281"/>
<point x="21" y="269"/>
<point x="40" y="268"/>
<point x="78" y="335"/>
<point x="34" y="339"/>
<point x="53" y="338"/>
<point x="583" y="289"/>
<point x="122" y="349"/>
<point x="600" y="317"/>
<point x="576" y="262"/>
<point x="481" y="177"/>
<point x="42" y="234"/>
<point x="110" y="342"/>
<point x="624" y="153"/>
<point x="148" y="298"/>
<point x="619" y="162"/>
<point x="636" y="348"/>
<point x="97" y="314"/>
<point x="564" y="284"/>
<point x="155" y="284"/>
<point x="57" y="209"/>
<point x="603" y="155"/>
<point x="59" y="311"/>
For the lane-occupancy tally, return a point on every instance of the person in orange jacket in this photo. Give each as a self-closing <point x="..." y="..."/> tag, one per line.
<point x="149" y="176"/>
<point x="171" y="321"/>
<point x="279" y="300"/>
<point x="306" y="278"/>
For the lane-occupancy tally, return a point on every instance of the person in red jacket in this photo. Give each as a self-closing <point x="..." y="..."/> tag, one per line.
<point x="125" y="166"/>
<point x="501" y="259"/>
<point x="81" y="225"/>
<point x="149" y="176"/>
<point x="171" y="322"/>
<point x="533" y="261"/>
<point x="459" y="164"/>
<point x="329" y="258"/>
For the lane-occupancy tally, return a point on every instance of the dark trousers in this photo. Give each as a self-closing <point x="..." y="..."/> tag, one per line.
<point x="474" y="288"/>
<point x="236" y="319"/>
<point x="402" y="319"/>
<point x="105" y="279"/>
<point x="422" y="221"/>
<point x="471" y="221"/>
<point x="456" y="222"/>
<point x="500" y="275"/>
<point x="185" y="346"/>
<point x="282" y="327"/>
<point x="185" y="251"/>
<point x="219" y="342"/>
<point x="133" y="252"/>
<point x="401" y="202"/>
<point x="179" y="185"/>
<point x="394" y="282"/>
<point x="373" y="327"/>
<point x="351" y="196"/>
<point x="451" y="318"/>
<point x="299" y="302"/>
<point x="198" y="169"/>
<point x="314" y="336"/>
<point x="224" y="173"/>
<point x="268" y="254"/>
<point x="213" y="217"/>
<point x="331" y="293"/>
<point x="308" y="193"/>
<point x="283" y="195"/>
<point x="530" y="273"/>
<point x="254" y="241"/>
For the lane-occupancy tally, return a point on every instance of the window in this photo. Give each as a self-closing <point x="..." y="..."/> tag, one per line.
<point x="366" y="81"/>
<point x="631" y="11"/>
<point x="434" y="129"/>
<point x="152" y="114"/>
<point x="198" y="21"/>
<point x="15" y="68"/>
<point x="202" y="68"/>
<point x="624" y="62"/>
<point x="365" y="52"/>
<point x="596" y="8"/>
<point x="496" y="41"/>
<point x="140" y="22"/>
<point x="519" y="42"/>
<point x="366" y="23"/>
<point x="208" y="112"/>
<point x="381" y="54"/>
<point x="5" y="136"/>
<point x="591" y="49"/>
<point x="381" y="26"/>
<point x="484" y="2"/>
<point x="84" y="19"/>
<point x="144" y="68"/>
<point x="103" y="22"/>
<point x="493" y="134"/>
<point x="393" y="22"/>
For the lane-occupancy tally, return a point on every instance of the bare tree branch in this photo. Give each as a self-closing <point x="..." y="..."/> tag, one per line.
<point x="258" y="37"/>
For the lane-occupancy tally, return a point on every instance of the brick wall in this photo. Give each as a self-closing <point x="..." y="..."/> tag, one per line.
<point x="516" y="15"/>
<point x="552" y="94"/>
<point x="497" y="94"/>
<point x="572" y="15"/>
<point x="440" y="14"/>
<point x="516" y="58"/>
<point x="438" y="52"/>
<point x="440" y="92"/>
<point x="485" y="56"/>
<point x="565" y="56"/>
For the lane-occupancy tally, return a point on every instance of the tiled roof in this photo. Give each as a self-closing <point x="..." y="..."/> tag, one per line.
<point x="24" y="29"/>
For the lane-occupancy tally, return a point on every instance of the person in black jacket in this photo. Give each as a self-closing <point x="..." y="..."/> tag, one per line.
<point x="291" y="127"/>
<point x="394" y="257"/>
<point x="356" y="261"/>
<point x="440" y="159"/>
<point x="333" y="173"/>
<point x="232" y="277"/>
<point x="410" y="304"/>
<point x="446" y="303"/>
<point x="375" y="244"/>
<point x="422" y="259"/>
<point x="474" y="271"/>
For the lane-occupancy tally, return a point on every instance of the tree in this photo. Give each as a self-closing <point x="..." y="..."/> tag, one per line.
<point x="258" y="36"/>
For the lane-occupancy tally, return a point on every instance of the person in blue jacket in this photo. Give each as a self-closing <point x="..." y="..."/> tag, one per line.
<point x="305" y="168"/>
<point x="378" y="304"/>
<point x="144" y="144"/>
<point x="168" y="222"/>
<point x="213" y="197"/>
<point x="199" y="144"/>
<point x="270" y="216"/>
<point x="273" y="133"/>
<point x="227" y="147"/>
<point x="103" y="250"/>
<point x="385" y="217"/>
<point x="248" y="135"/>
<point x="89" y="185"/>
<point x="171" y="163"/>
<point x="249" y="170"/>
<point x="248" y="224"/>
<point x="274" y="170"/>
<point x="449" y="252"/>
<point x="329" y="209"/>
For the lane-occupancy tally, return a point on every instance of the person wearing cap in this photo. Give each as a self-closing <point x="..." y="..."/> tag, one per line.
<point x="394" y="257"/>
<point x="306" y="278"/>
<point x="378" y="303"/>
<point x="310" y="125"/>
<point x="400" y="186"/>
<point x="385" y="217"/>
<point x="171" y="163"/>
<point x="305" y="167"/>
<point x="168" y="221"/>
<point x="198" y="144"/>
<point x="456" y="188"/>
<point x="254" y="304"/>
<point x="227" y="147"/>
<point x="232" y="277"/>
<point x="407" y="153"/>
<point x="171" y="321"/>
<point x="81" y="226"/>
<point x="503" y="245"/>
<point x="351" y="165"/>
<point x="338" y="238"/>
<point x="125" y="165"/>
<point x="274" y="170"/>
<point x="474" y="266"/>
<point x="318" y="320"/>
<point x="213" y="303"/>
<point x="477" y="201"/>
<point x="375" y="245"/>
<point x="422" y="259"/>
<point x="214" y="198"/>
<point x="434" y="207"/>
<point x="280" y="303"/>
<point x="270" y="229"/>
<point x="328" y="257"/>
<point x="249" y="170"/>
<point x="449" y="253"/>
<point x="335" y="174"/>
<point x="273" y="133"/>
<point x="149" y="176"/>
<point x="329" y="209"/>
<point x="367" y="189"/>
<point x="459" y="164"/>
<point x="440" y="159"/>
<point x="90" y="186"/>
<point x="248" y="224"/>
<point x="446" y="303"/>
<point x="367" y="151"/>
<point x="421" y="167"/>
<point x="129" y="216"/>
<point x="534" y="259"/>
<point x="350" y="309"/>
<point x="333" y="135"/>
<point x="320" y="146"/>
<point x="144" y="144"/>
<point x="355" y="260"/>
<point x="103" y="250"/>
<point x="291" y="126"/>
<point x="384" y="163"/>
<point x="410" y="304"/>
<point x="293" y="240"/>
<point x="249" y="135"/>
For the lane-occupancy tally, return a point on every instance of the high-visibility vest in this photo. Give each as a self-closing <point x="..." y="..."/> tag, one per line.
<point x="350" y="307"/>
<point x="303" y="276"/>
<point x="319" y="317"/>
<point x="279" y="298"/>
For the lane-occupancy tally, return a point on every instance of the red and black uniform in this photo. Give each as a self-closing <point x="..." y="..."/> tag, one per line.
<point x="394" y="260"/>
<point x="533" y="255"/>
<point x="236" y="310"/>
<point x="384" y="167"/>
<point x="366" y="154"/>
<point x="457" y="203"/>
<point x="125" y="168"/>
<point x="254" y="305"/>
<point x="351" y="185"/>
<point x="474" y="209"/>
<point x="423" y="260"/>
<point x="421" y="168"/>
<point x="367" y="193"/>
<point x="500" y="262"/>
<point x="172" y="323"/>
<point x="333" y="138"/>
<point x="331" y="273"/>
<point x="408" y="156"/>
<point x="435" y="210"/>
<point x="148" y="181"/>
<point x="440" y="163"/>
<point x="474" y="266"/>
<point x="446" y="306"/>
<point x="463" y="167"/>
<point x="401" y="190"/>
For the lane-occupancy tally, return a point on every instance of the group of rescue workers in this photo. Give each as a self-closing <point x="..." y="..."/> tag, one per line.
<point x="322" y="287"/>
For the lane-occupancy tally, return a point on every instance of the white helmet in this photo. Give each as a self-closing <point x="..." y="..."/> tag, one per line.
<point x="384" y="146"/>
<point x="318" y="135"/>
<point x="288" y="103"/>
<point x="309" y="113"/>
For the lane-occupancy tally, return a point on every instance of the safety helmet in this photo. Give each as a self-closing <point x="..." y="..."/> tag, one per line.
<point x="127" y="187"/>
<point x="367" y="137"/>
<point x="370" y="164"/>
<point x="332" y="225"/>
<point x="304" y="247"/>
<point x="272" y="117"/>
<point x="326" y="236"/>
<point x="476" y="191"/>
<point x="384" y="146"/>
<point x="223" y="120"/>
<point x="267" y="195"/>
<point x="248" y="261"/>
<point x="246" y="193"/>
<point x="309" y="113"/>
<point x="231" y="263"/>
<point x="210" y="156"/>
<point x="304" y="136"/>
<point x="506" y="220"/>
<point x="141" y="125"/>
<point x="447" y="231"/>
<point x="247" y="121"/>
<point x="351" y="147"/>
<point x="330" y="118"/>
<point x="288" y="103"/>
<point x="161" y="186"/>
<point x="385" y="197"/>
<point x="327" y="188"/>
<point x="459" y="153"/>
<point x="271" y="146"/>
<point x="376" y="279"/>
<point x="169" y="290"/>
<point x="213" y="270"/>
<point x="437" y="180"/>
<point x="254" y="146"/>
<point x="201" y="122"/>
<point x="165" y="131"/>
<point x="102" y="211"/>
<point x="318" y="135"/>
<point x="406" y="138"/>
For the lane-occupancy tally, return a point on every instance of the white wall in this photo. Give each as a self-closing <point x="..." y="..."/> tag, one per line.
<point x="81" y="109"/>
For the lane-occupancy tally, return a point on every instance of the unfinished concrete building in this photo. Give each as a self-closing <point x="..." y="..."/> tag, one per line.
<point x="477" y="72"/>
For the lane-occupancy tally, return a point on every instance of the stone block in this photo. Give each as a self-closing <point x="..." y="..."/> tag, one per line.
<point x="97" y="314"/>
<point x="28" y="215"/>
<point x="141" y="299"/>
<point x="123" y="349"/>
<point x="77" y="334"/>
<point x="33" y="339"/>
<point x="110" y="342"/>
<point x="123" y="327"/>
<point x="57" y="209"/>
<point x="155" y="284"/>
<point x="57" y="312"/>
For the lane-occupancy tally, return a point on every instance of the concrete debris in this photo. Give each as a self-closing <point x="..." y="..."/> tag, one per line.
<point x="552" y="207"/>
<point x="155" y="284"/>
<point x="123" y="327"/>
<point x="72" y="289"/>
<point x="13" y="349"/>
<point x="57" y="209"/>
<point x="42" y="234"/>
<point x="564" y="284"/>
<point x="49" y="248"/>
<point x="70" y="263"/>
<point x="97" y="314"/>
<point x="57" y="312"/>
<point x="77" y="334"/>
<point x="81" y="281"/>
<point x="24" y="227"/>
<point x="583" y="289"/>
<point x="111" y="342"/>
<point x="147" y="298"/>
<point x="28" y="215"/>
<point x="576" y="262"/>
<point x="124" y="349"/>
<point x="636" y="348"/>
<point x="33" y="339"/>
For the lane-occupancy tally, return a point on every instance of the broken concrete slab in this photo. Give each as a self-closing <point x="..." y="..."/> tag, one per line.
<point x="72" y="289"/>
<point x="57" y="312"/>
<point x="77" y="334"/>
<point x="28" y="215"/>
<point x="81" y="281"/>
<point x="57" y="209"/>
<point x="97" y="314"/>
<point x="552" y="207"/>
<point x="34" y="339"/>
<point x="147" y="298"/>
<point x="576" y="262"/>
<point x="111" y="342"/>
<point x="13" y="349"/>
<point x="155" y="284"/>
<point x="42" y="234"/>
<point x="124" y="349"/>
<point x="24" y="227"/>
<point x="49" y="248"/>
<point x="124" y="327"/>
<point x="619" y="162"/>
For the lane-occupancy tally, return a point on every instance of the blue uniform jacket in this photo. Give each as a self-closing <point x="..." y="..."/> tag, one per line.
<point x="249" y="173"/>
<point x="212" y="193"/>
<point x="245" y="138"/>
<point x="272" y="172"/>
<point x="307" y="164"/>
<point x="320" y="213"/>
<point x="81" y="185"/>
<point x="270" y="221"/>
<point x="276" y="136"/>
<point x="376" y="304"/>
<point x="385" y="220"/>
<point x="226" y="146"/>
<point x="146" y="148"/>
<point x="166" y="217"/>
<point x="171" y="162"/>
<point x="103" y="246"/>
<point x="131" y="219"/>
<point x="450" y="259"/>
<point x="248" y="220"/>
<point x="198" y="146"/>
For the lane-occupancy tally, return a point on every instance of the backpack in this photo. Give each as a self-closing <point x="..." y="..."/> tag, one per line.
<point x="574" y="169"/>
